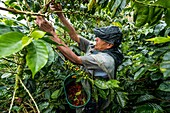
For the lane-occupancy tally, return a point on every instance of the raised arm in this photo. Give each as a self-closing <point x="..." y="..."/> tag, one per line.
<point x="65" y="50"/>
<point x="71" y="30"/>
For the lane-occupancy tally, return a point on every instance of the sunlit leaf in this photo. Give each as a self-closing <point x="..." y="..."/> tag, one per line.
<point x="26" y="41"/>
<point x="37" y="34"/>
<point x="91" y="4"/>
<point x="106" y="84"/>
<point x="56" y="93"/>
<point x="159" y="40"/>
<point x="10" y="43"/>
<point x="117" y="24"/>
<point x="101" y="84"/>
<point x="6" y="75"/>
<point x="37" y="56"/>
<point x="113" y="83"/>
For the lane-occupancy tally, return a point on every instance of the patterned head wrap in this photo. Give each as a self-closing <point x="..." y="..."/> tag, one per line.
<point x="110" y="34"/>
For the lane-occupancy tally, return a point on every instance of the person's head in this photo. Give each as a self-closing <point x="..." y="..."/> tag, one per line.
<point x="107" y="37"/>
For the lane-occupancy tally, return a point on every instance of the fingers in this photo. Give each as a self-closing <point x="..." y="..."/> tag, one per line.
<point x="37" y="21"/>
<point x="59" y="6"/>
<point x="44" y="25"/>
<point x="52" y="7"/>
<point x="55" y="7"/>
<point x="40" y="18"/>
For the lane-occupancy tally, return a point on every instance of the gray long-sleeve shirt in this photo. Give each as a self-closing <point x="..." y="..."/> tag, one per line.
<point x="97" y="63"/>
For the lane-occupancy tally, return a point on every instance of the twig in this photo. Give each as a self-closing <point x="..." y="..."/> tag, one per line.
<point x="19" y="72"/>
<point x="46" y="6"/>
<point x="10" y="61"/>
<point x="28" y="24"/>
<point x="30" y="106"/>
<point x="4" y="71"/>
<point x="13" y="97"/>
<point x="30" y="95"/>
<point x="69" y="12"/>
<point x="15" y="11"/>
<point x="26" y="4"/>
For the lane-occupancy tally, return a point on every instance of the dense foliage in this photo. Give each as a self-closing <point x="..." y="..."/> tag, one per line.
<point x="32" y="70"/>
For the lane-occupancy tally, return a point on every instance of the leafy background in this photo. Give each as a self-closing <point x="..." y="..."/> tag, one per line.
<point x="32" y="70"/>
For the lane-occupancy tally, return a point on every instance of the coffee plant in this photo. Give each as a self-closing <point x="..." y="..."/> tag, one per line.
<point x="32" y="70"/>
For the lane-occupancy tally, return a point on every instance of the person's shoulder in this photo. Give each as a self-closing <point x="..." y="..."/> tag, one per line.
<point x="105" y="61"/>
<point x="103" y="57"/>
<point x="106" y="55"/>
<point x="85" y="39"/>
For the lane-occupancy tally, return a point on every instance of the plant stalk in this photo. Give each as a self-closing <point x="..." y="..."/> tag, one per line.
<point x="30" y="95"/>
<point x="13" y="97"/>
<point x="15" y="11"/>
<point x="20" y="70"/>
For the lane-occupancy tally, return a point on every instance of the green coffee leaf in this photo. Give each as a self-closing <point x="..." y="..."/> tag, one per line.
<point x="140" y="73"/>
<point x="165" y="65"/>
<point x="159" y="40"/>
<point x="121" y="98"/>
<point x="37" y="56"/>
<point x="165" y="86"/>
<point x="10" y="43"/>
<point x="91" y="4"/>
<point x="106" y="84"/>
<point x="37" y="34"/>
<point x="56" y="93"/>
<point x="4" y="29"/>
<point x="167" y="15"/>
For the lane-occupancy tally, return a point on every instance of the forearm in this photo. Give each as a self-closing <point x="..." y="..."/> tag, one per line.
<point x="66" y="51"/>
<point x="71" y="30"/>
<point x="69" y="54"/>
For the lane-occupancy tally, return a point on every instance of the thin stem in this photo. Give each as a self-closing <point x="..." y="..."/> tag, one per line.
<point x="26" y="4"/>
<point x="28" y="24"/>
<point x="15" y="11"/>
<point x="13" y="97"/>
<point x="10" y="61"/>
<point x="20" y="70"/>
<point x="62" y="57"/>
<point x="30" y="95"/>
<point x="4" y="71"/>
<point x="30" y="106"/>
